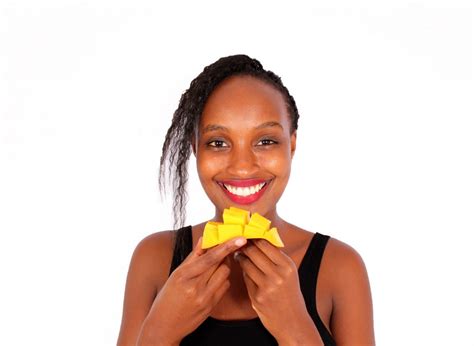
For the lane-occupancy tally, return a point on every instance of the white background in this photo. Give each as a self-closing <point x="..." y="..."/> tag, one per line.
<point x="384" y="161"/>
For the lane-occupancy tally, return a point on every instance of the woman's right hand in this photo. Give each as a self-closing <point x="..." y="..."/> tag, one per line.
<point x="189" y="294"/>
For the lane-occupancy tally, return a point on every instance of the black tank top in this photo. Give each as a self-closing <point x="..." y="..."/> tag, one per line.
<point x="252" y="332"/>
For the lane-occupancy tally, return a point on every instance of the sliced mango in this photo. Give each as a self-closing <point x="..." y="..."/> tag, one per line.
<point x="238" y="222"/>
<point x="273" y="237"/>
<point x="245" y="213"/>
<point x="259" y="221"/>
<point x="252" y="232"/>
<point x="210" y="236"/>
<point x="235" y="216"/>
<point x="227" y="232"/>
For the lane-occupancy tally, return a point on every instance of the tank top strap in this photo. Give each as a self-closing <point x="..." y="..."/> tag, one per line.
<point x="183" y="245"/>
<point x="308" y="273"/>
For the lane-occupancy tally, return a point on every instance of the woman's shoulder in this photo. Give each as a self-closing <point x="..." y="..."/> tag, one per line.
<point x="156" y="244"/>
<point x="345" y="275"/>
<point x="147" y="273"/>
<point x="153" y="255"/>
<point x="343" y="258"/>
<point x="340" y="261"/>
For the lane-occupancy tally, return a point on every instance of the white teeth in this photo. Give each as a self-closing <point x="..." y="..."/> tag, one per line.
<point x="244" y="191"/>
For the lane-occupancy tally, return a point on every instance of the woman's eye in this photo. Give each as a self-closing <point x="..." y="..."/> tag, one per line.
<point x="267" y="142"/>
<point x="217" y="144"/>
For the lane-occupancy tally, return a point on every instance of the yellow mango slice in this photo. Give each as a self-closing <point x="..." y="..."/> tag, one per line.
<point x="210" y="235"/>
<point x="227" y="232"/>
<point x="273" y="237"/>
<point x="238" y="222"/>
<point x="235" y="217"/>
<point x="245" y="213"/>
<point x="252" y="232"/>
<point x="259" y="221"/>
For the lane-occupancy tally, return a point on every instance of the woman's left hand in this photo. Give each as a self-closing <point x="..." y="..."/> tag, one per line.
<point x="273" y="286"/>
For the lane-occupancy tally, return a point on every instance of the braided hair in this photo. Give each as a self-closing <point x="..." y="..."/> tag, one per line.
<point x="177" y="145"/>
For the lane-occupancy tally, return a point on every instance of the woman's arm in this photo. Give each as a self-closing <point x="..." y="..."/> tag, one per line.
<point x="352" y="315"/>
<point x="161" y="311"/>
<point x="147" y="273"/>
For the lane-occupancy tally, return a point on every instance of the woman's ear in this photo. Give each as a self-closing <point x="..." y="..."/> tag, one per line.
<point x="293" y="143"/>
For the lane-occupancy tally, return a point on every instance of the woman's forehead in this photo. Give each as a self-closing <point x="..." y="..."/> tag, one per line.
<point x="244" y="101"/>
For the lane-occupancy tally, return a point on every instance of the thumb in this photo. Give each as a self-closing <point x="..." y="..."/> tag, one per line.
<point x="198" y="250"/>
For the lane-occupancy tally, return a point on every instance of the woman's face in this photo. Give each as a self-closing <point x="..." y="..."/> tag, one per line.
<point x="243" y="146"/>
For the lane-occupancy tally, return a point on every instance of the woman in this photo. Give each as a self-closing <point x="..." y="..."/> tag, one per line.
<point x="240" y="123"/>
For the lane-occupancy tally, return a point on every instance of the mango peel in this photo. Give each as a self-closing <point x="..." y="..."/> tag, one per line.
<point x="238" y="222"/>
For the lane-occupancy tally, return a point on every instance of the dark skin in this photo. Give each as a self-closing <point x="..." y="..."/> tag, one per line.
<point x="245" y="133"/>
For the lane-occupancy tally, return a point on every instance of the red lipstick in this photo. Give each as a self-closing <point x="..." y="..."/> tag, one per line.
<point x="244" y="183"/>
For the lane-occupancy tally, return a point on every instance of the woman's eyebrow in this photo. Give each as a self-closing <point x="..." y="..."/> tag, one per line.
<point x="214" y="127"/>
<point x="269" y="124"/>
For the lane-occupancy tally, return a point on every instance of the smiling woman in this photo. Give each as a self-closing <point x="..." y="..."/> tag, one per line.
<point x="257" y="149"/>
<point x="240" y="122"/>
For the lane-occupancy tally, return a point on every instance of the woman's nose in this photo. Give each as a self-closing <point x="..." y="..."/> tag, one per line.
<point x="242" y="162"/>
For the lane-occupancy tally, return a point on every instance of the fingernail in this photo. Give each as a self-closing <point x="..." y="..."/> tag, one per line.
<point x="240" y="242"/>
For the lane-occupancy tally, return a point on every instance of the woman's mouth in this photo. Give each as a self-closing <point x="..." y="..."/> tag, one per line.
<point x="244" y="191"/>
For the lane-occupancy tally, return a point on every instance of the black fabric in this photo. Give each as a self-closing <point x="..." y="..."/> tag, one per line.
<point x="252" y="332"/>
<point x="308" y="273"/>
<point x="183" y="245"/>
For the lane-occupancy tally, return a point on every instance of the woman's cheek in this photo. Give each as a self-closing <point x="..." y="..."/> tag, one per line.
<point x="209" y="165"/>
<point x="275" y="163"/>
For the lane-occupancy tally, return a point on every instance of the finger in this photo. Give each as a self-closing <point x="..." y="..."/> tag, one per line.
<point x="219" y="252"/>
<point x="260" y="259"/>
<point x="251" y="270"/>
<point x="208" y="262"/>
<point x="228" y="261"/>
<point x="272" y="252"/>
<point x="251" y="286"/>
<point x="252" y="290"/>
<point x="218" y="277"/>
<point x="196" y="252"/>
<point x="219" y="293"/>
<point x="223" y="257"/>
